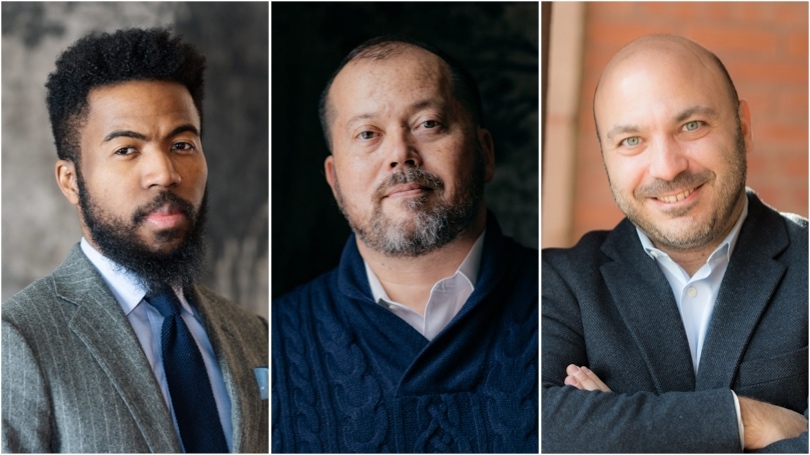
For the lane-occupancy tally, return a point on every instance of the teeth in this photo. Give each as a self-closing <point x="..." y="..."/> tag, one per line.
<point x="677" y="197"/>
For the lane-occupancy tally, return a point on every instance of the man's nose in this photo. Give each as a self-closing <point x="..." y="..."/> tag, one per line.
<point x="667" y="158"/>
<point x="158" y="169"/>
<point x="402" y="151"/>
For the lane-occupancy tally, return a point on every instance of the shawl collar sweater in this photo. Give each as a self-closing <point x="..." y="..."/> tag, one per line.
<point x="350" y="376"/>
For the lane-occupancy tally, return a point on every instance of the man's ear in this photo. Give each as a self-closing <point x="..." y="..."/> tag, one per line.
<point x="66" y="179"/>
<point x="331" y="178"/>
<point x="487" y="152"/>
<point x="746" y="125"/>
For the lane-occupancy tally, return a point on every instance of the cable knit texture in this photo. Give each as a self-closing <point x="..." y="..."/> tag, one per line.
<point x="350" y="376"/>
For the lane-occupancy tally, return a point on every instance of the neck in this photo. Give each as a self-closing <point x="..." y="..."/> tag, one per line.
<point x="693" y="259"/>
<point x="408" y="280"/>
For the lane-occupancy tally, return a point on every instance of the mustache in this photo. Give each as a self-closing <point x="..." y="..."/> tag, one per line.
<point x="685" y="179"/>
<point x="410" y="175"/>
<point x="175" y="202"/>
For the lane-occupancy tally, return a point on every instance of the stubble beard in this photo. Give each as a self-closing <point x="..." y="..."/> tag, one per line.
<point x="433" y="221"/>
<point x="704" y="231"/>
<point x="182" y="266"/>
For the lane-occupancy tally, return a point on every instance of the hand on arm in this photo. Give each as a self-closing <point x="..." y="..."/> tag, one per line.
<point x="765" y="423"/>
<point x="584" y="379"/>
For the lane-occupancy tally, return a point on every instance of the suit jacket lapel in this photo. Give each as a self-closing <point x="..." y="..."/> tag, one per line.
<point x="101" y="325"/>
<point x="750" y="280"/>
<point x="645" y="301"/>
<point x="238" y="374"/>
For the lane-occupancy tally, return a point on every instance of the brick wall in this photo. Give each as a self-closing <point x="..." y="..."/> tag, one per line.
<point x="764" y="48"/>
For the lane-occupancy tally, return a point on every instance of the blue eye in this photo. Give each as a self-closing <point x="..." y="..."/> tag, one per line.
<point x="631" y="141"/>
<point x="367" y="135"/>
<point x="692" y="126"/>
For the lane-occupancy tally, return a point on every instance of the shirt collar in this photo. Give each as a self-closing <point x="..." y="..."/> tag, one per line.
<point x="125" y="286"/>
<point x="726" y="246"/>
<point x="469" y="269"/>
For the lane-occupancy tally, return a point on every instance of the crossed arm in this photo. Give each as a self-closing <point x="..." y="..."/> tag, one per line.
<point x="763" y="423"/>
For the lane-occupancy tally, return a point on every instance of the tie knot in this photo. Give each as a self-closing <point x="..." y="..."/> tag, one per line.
<point x="165" y="301"/>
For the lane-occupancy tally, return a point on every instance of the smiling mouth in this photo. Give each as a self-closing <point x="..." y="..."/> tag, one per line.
<point x="676" y="197"/>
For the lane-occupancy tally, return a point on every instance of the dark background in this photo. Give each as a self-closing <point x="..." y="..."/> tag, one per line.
<point x="497" y="42"/>
<point x="39" y="226"/>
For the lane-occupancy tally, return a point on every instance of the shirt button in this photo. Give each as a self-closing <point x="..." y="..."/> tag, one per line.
<point x="654" y="254"/>
<point x="691" y="292"/>
<point x="392" y="307"/>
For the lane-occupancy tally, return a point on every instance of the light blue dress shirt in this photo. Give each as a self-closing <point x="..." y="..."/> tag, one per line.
<point x="147" y="323"/>
<point x="696" y="295"/>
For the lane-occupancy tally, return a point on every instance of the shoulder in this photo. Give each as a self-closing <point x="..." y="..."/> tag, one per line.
<point x="224" y="312"/>
<point x="34" y="303"/>
<point x="587" y="252"/>
<point x="309" y="297"/>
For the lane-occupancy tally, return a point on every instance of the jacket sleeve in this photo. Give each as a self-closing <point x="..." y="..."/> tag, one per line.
<point x="26" y="405"/>
<point x="621" y="421"/>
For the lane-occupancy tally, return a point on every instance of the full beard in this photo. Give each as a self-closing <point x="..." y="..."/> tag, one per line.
<point x="182" y="266"/>
<point x="703" y="231"/>
<point x="433" y="220"/>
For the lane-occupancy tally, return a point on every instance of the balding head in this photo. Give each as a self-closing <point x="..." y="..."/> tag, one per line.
<point x="663" y="52"/>
<point x="674" y="139"/>
<point x="464" y="87"/>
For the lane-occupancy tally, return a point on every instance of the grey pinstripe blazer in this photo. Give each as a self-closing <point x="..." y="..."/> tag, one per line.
<point x="75" y="379"/>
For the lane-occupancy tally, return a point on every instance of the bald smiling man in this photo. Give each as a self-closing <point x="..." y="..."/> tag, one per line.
<point x="684" y="329"/>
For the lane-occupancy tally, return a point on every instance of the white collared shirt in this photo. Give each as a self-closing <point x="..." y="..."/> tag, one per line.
<point x="147" y="322"/>
<point x="446" y="298"/>
<point x="696" y="295"/>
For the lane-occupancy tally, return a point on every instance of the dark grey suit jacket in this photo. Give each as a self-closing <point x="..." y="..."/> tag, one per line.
<point x="75" y="378"/>
<point x="607" y="305"/>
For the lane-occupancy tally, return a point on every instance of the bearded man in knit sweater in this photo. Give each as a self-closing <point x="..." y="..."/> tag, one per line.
<point x="424" y="338"/>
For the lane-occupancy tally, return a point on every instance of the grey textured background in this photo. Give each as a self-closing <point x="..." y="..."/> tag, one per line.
<point x="39" y="226"/>
<point x="497" y="42"/>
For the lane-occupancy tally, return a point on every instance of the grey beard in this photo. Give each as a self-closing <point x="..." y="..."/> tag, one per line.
<point x="431" y="226"/>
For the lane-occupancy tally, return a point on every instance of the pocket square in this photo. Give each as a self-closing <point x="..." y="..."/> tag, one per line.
<point x="262" y="378"/>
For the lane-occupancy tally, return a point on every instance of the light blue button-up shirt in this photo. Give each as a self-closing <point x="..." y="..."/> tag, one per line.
<point x="147" y="322"/>
<point x="696" y="295"/>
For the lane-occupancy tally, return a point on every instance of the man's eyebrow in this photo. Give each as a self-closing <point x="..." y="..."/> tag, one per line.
<point x="704" y="110"/>
<point x="621" y="129"/>
<point x="683" y="115"/>
<point x="422" y="104"/>
<point x="123" y="133"/>
<point x="186" y="128"/>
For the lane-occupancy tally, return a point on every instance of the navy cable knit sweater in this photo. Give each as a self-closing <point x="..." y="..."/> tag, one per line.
<point x="350" y="376"/>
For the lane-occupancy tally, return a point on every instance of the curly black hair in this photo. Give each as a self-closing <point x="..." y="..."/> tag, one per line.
<point x="105" y="59"/>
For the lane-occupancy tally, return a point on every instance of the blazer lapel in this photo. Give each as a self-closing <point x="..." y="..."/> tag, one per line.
<point x="646" y="304"/>
<point x="750" y="280"/>
<point x="239" y="376"/>
<point x="101" y="325"/>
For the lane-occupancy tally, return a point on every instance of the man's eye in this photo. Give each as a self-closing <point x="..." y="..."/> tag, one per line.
<point x="430" y="124"/>
<point x="631" y="141"/>
<point x="367" y="135"/>
<point x="125" y="151"/>
<point x="692" y="126"/>
<point x="182" y="146"/>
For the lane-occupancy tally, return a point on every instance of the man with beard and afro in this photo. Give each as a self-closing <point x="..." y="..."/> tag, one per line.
<point x="684" y="329"/>
<point x="424" y="338"/>
<point x="120" y="349"/>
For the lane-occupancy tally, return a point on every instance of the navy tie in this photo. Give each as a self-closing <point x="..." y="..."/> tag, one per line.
<point x="189" y="386"/>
